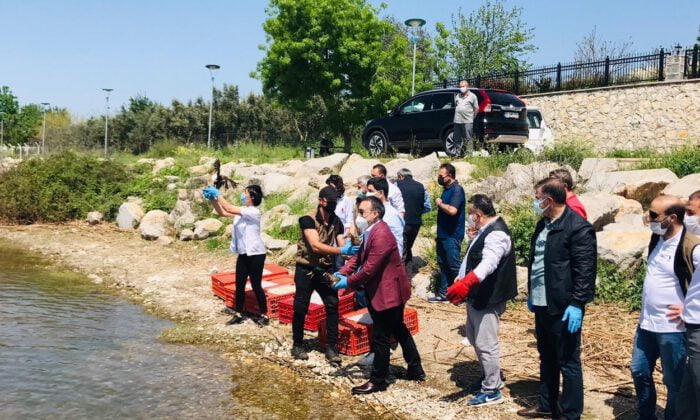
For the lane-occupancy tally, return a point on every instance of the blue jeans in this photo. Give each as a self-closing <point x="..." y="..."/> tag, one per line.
<point x="648" y="347"/>
<point x="448" y="253"/>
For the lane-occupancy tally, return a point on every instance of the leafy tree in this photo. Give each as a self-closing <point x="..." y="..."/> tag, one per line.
<point x="328" y="48"/>
<point x="491" y="39"/>
<point x="20" y="123"/>
<point x="593" y="48"/>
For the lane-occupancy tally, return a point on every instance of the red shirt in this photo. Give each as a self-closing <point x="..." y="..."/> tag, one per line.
<point x="575" y="204"/>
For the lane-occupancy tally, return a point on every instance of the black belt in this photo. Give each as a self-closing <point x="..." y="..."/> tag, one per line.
<point x="692" y="326"/>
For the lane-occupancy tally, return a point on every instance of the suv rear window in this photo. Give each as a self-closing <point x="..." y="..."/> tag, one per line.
<point x="504" y="98"/>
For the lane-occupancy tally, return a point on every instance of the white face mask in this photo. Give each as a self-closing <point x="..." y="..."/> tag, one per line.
<point x="692" y="224"/>
<point x="470" y="222"/>
<point x="361" y="224"/>
<point x="371" y="194"/>
<point x="657" y="229"/>
<point x="463" y="90"/>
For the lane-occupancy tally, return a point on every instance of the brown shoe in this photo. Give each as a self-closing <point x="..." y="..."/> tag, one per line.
<point x="534" y="412"/>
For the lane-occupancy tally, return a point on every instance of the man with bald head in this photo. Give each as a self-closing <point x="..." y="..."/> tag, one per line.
<point x="673" y="255"/>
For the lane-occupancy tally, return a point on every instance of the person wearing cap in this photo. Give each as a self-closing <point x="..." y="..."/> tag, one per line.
<point x="321" y="241"/>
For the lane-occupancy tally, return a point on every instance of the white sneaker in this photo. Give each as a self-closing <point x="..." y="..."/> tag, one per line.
<point x="466" y="342"/>
<point x="368" y="360"/>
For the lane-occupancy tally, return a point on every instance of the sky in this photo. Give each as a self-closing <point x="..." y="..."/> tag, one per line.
<point x="65" y="52"/>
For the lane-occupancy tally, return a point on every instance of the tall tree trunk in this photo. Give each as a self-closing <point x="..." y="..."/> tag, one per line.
<point x="347" y="140"/>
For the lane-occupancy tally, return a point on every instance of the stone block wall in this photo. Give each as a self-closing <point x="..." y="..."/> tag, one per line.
<point x="656" y="115"/>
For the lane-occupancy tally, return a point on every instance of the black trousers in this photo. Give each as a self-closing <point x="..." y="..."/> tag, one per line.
<point x="307" y="281"/>
<point x="250" y="267"/>
<point x="410" y="232"/>
<point x="560" y="353"/>
<point x="387" y="324"/>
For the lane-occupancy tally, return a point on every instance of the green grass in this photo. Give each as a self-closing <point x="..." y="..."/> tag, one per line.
<point x="273" y="200"/>
<point x="682" y="161"/>
<point x="622" y="287"/>
<point x="521" y="220"/>
<point x="627" y="154"/>
<point x="569" y="153"/>
<point x="497" y="163"/>
<point x="217" y="243"/>
<point x="292" y="234"/>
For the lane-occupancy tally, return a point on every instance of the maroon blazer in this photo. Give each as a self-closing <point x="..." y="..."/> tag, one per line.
<point x="382" y="271"/>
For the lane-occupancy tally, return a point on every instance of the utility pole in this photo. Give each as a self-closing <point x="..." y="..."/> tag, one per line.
<point x="212" y="68"/>
<point x="107" y="92"/>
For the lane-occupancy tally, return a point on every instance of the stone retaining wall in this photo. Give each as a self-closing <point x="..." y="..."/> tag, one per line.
<point x="657" y="115"/>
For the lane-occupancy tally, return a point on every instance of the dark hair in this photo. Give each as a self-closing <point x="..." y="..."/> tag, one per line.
<point x="336" y="181"/>
<point x="450" y="169"/>
<point x="678" y="210"/>
<point x="554" y="188"/>
<point x="564" y="176"/>
<point x="381" y="168"/>
<point x="376" y="205"/>
<point x="694" y="196"/>
<point x="380" y="184"/>
<point x="255" y="193"/>
<point x="484" y="203"/>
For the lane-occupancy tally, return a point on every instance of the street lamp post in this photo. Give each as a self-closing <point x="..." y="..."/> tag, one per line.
<point x="107" y="92"/>
<point x="45" y="105"/>
<point x="2" y="128"/>
<point x="212" y="68"/>
<point x="414" y="24"/>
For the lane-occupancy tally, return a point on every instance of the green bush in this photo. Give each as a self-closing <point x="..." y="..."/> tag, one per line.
<point x="682" y="161"/>
<point x="62" y="187"/>
<point x="521" y="220"/>
<point x="623" y="287"/>
<point x="627" y="154"/>
<point x="497" y="163"/>
<point x="569" y="153"/>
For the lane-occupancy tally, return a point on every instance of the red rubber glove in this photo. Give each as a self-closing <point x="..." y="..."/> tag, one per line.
<point x="459" y="291"/>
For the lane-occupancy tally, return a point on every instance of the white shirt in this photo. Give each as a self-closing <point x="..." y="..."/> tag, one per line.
<point x="496" y="245"/>
<point x="662" y="288"/>
<point x="246" y="238"/>
<point x="396" y="224"/>
<point x="345" y="210"/>
<point x="395" y="197"/>
<point x="691" y="306"/>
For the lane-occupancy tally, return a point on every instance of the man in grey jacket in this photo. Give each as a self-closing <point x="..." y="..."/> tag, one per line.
<point x="466" y="108"/>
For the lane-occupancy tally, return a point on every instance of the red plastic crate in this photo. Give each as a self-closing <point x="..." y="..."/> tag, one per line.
<point x="355" y="330"/>
<point x="317" y="312"/>
<point x="270" y="272"/>
<point x="228" y="292"/>
<point x="274" y="295"/>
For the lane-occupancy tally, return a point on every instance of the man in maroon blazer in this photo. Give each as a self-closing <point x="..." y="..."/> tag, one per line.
<point x="382" y="273"/>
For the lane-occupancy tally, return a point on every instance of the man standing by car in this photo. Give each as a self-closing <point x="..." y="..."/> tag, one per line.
<point x="416" y="203"/>
<point x="450" y="229"/>
<point x="395" y="198"/>
<point x="673" y="256"/>
<point x="466" y="108"/>
<point x="562" y="275"/>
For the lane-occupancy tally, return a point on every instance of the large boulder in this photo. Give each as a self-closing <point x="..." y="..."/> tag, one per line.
<point x="354" y="167"/>
<point x="94" y="217"/>
<point x="198" y="170"/>
<point x="684" y="186"/>
<point x="424" y="169"/>
<point x="623" y="246"/>
<point x="421" y="284"/>
<point x="288" y="223"/>
<point x="206" y="228"/>
<point x="464" y="171"/>
<point x="187" y="235"/>
<point x="307" y="194"/>
<point x="274" y="183"/>
<point x="182" y="215"/>
<point x="592" y="166"/>
<point x="8" y="163"/>
<point x="642" y="185"/>
<point x="273" y="244"/>
<point x="518" y="182"/>
<point x="274" y="215"/>
<point x="602" y="208"/>
<point x="288" y="257"/>
<point x="161" y="164"/>
<point x="154" y="225"/>
<point x="322" y="166"/>
<point x="129" y="215"/>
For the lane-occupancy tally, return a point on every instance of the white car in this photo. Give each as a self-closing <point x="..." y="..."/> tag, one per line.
<point x="540" y="134"/>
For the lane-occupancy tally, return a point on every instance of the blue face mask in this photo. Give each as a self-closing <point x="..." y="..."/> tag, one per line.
<point x="536" y="206"/>
<point x="243" y="199"/>
<point x="360" y="194"/>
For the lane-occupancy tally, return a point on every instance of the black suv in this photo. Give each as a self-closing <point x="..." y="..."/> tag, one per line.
<point x="425" y="122"/>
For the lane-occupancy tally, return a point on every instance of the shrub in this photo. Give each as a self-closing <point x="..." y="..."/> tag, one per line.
<point x="521" y="220"/>
<point x="682" y="161"/>
<point x="626" y="154"/>
<point x="568" y="153"/>
<point x="62" y="187"/>
<point x="616" y="286"/>
<point x="498" y="161"/>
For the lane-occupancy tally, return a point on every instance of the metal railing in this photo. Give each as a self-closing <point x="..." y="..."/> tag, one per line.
<point x="20" y="150"/>
<point x="629" y="69"/>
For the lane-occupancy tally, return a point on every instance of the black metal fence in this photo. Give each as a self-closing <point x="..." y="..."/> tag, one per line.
<point x="636" y="68"/>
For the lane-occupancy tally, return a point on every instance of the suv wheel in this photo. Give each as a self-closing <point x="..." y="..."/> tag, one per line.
<point x="451" y="148"/>
<point x="377" y="143"/>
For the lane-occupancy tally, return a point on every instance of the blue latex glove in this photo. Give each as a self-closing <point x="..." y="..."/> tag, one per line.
<point x="530" y="307"/>
<point x="342" y="284"/>
<point x="210" y="192"/>
<point x="348" y="249"/>
<point x="574" y="315"/>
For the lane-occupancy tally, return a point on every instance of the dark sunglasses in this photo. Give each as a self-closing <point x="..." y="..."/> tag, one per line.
<point x="653" y="215"/>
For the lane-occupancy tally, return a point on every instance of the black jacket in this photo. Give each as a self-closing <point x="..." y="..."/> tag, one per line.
<point x="413" y="194"/>
<point x="501" y="285"/>
<point x="570" y="262"/>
